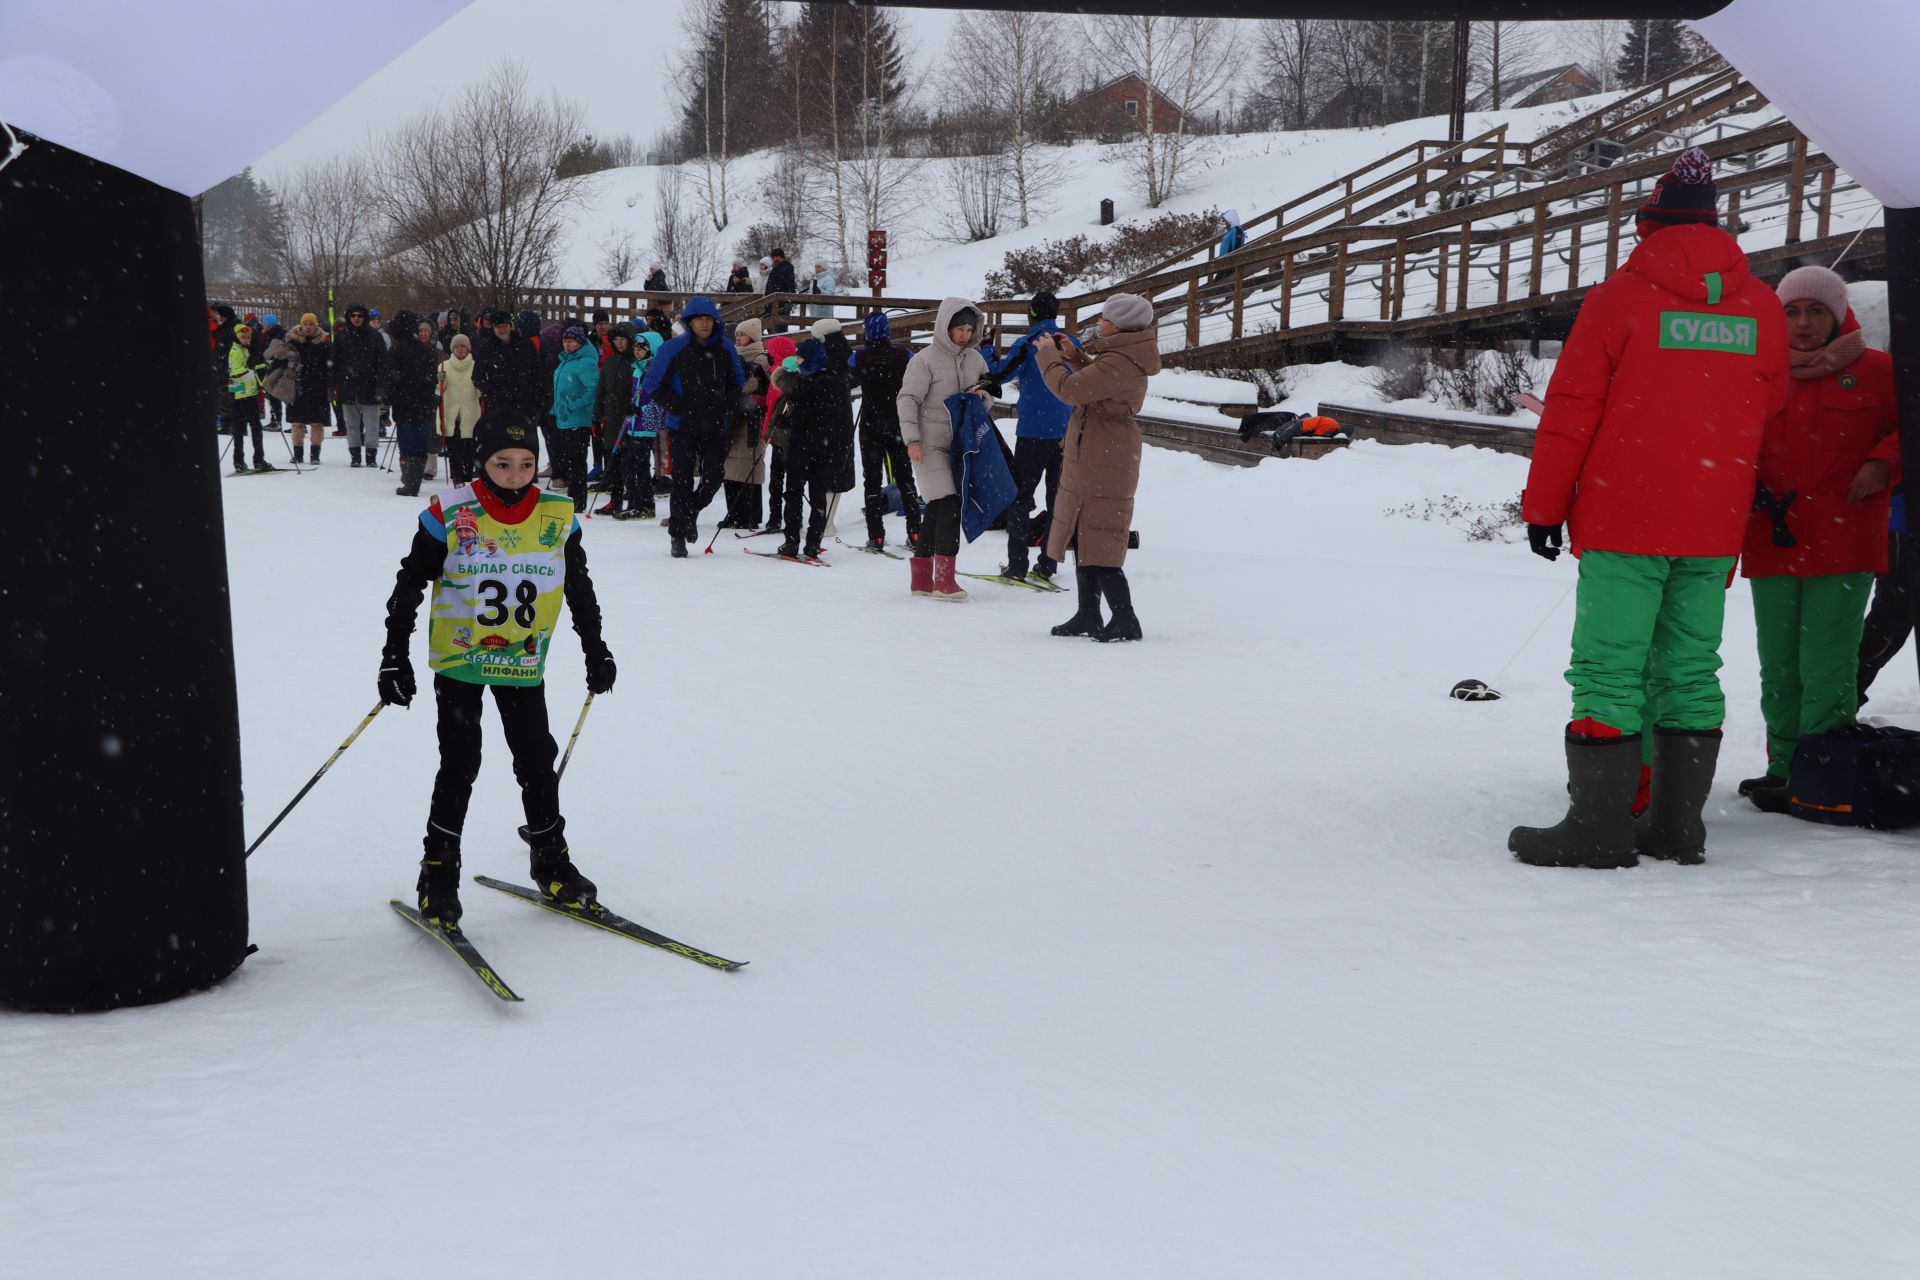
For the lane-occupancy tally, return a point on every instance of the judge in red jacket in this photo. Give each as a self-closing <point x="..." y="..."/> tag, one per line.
<point x="1817" y="536"/>
<point x="1646" y="451"/>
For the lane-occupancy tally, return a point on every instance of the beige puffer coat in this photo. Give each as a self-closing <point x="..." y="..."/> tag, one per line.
<point x="281" y="382"/>
<point x="459" y="401"/>
<point x="939" y="370"/>
<point x="1101" y="467"/>
<point x="742" y="467"/>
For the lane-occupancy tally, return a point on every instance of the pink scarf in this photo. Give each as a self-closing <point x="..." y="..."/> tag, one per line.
<point x="1830" y="359"/>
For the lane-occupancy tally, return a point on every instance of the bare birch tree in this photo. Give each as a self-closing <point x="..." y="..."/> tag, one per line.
<point x="1008" y="59"/>
<point x="327" y="224"/>
<point x="1596" y="44"/>
<point x="714" y="45"/>
<point x="469" y="194"/>
<point x="683" y="241"/>
<point x="1504" y="52"/>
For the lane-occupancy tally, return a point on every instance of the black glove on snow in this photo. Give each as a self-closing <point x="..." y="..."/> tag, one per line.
<point x="600" y="670"/>
<point x="396" y="680"/>
<point x="1544" y="539"/>
<point x="1776" y="511"/>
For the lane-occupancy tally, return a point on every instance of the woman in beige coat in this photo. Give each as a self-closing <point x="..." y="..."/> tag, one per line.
<point x="1106" y="385"/>
<point x="746" y="468"/>
<point x="459" y="408"/>
<point x="951" y="363"/>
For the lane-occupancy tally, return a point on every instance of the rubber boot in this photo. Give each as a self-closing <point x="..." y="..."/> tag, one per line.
<point x="944" y="587"/>
<point x="922" y="567"/>
<point x="1683" y="765"/>
<point x="313" y="453"/>
<point x="1123" y="625"/>
<point x="1088" y="619"/>
<point x="1598" y="829"/>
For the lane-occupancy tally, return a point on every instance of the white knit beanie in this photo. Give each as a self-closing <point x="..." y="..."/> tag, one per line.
<point x="1128" y="311"/>
<point x="1816" y="284"/>
<point x="824" y="326"/>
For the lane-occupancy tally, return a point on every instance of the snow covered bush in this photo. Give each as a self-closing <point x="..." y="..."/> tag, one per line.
<point x="1404" y="374"/>
<point x="1480" y="381"/>
<point x="1079" y="261"/>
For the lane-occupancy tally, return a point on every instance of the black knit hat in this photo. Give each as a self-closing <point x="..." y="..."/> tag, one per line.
<point x="504" y="428"/>
<point x="1044" y="307"/>
<point x="598" y="316"/>
<point x="1686" y="193"/>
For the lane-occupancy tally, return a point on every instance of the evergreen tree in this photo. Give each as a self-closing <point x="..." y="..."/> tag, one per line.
<point x="1655" y="49"/>
<point x="845" y="58"/>
<point x="732" y="46"/>
<point x="238" y="229"/>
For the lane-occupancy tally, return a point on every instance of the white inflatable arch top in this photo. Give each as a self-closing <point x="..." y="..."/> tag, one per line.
<point x="160" y="88"/>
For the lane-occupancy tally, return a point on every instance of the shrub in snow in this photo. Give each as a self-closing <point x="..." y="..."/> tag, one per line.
<point x="1480" y="521"/>
<point x="1080" y="261"/>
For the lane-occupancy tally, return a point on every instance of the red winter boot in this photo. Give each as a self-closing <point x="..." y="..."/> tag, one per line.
<point x="944" y="587"/>
<point x="922" y="567"/>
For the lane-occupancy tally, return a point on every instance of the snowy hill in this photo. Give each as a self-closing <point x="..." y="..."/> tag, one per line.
<point x="1199" y="957"/>
<point x="1250" y="172"/>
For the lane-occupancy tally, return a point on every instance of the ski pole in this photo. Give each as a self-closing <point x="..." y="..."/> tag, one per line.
<point x="338" y="751"/>
<point x="577" y="726"/>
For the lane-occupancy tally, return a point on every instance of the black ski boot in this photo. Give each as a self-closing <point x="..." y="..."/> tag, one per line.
<point x="1123" y="625"/>
<point x="679" y="546"/>
<point x="813" y="551"/>
<point x="1088" y="619"/>
<point x="439" y="884"/>
<point x="1602" y="775"/>
<point x="790" y="549"/>
<point x="1768" y="793"/>
<point x="553" y="871"/>
<point x="1683" y="765"/>
<point x="261" y="464"/>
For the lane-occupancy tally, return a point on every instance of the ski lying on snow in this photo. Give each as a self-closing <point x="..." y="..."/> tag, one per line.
<point x="775" y="555"/>
<point x="757" y="533"/>
<point x="601" y="918"/>
<point x="456" y="942"/>
<point x="872" y="551"/>
<point x="1011" y="582"/>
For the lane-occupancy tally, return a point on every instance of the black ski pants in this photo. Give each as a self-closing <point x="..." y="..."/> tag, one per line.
<point x="940" y="528"/>
<point x="879" y="449"/>
<point x="1032" y="460"/>
<point x="243" y="414"/>
<point x="817" y="498"/>
<point x="776" y="486"/>
<point x="523" y="717"/>
<point x="633" y="474"/>
<point x="697" y="449"/>
<point x="1895" y="610"/>
<point x="570" y="463"/>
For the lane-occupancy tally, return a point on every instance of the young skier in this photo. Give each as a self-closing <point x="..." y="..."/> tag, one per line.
<point x="504" y="556"/>
<point x="645" y="420"/>
<point x="819" y="443"/>
<point x="243" y="403"/>
<point x="613" y="405"/>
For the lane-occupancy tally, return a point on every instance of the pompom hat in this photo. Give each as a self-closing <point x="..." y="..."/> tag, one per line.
<point x="1686" y="193"/>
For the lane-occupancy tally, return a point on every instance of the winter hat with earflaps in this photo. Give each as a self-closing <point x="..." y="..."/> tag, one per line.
<point x="1128" y="311"/>
<point x="877" y="327"/>
<point x="503" y="429"/>
<point x="1686" y="193"/>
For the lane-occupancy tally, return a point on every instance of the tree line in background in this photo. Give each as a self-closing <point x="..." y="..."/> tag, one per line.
<point x="469" y="200"/>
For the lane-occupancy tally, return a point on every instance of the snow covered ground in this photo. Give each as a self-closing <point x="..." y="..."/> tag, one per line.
<point x="1198" y="957"/>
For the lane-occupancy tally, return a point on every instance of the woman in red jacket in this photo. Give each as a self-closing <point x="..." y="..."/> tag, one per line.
<point x="1817" y="536"/>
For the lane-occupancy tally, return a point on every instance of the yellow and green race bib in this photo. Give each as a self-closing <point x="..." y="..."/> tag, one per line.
<point x="498" y="599"/>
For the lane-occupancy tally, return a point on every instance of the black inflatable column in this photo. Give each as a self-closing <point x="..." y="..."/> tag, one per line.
<point x="122" y="879"/>
<point x="1903" y="307"/>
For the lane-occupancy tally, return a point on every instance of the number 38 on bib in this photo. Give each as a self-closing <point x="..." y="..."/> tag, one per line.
<point x="499" y="595"/>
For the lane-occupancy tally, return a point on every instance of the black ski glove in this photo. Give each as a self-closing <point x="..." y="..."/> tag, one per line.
<point x="600" y="670"/>
<point x="1544" y="540"/>
<point x="396" y="679"/>
<point x="1776" y="511"/>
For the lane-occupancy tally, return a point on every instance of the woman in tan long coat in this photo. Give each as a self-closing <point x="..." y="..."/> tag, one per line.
<point x="1106" y="385"/>
<point x="746" y="467"/>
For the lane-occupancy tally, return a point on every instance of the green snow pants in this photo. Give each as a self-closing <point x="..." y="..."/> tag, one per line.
<point x="1809" y="635"/>
<point x="1646" y="641"/>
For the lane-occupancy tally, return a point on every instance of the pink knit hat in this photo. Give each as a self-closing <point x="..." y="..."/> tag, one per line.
<point x="1816" y="284"/>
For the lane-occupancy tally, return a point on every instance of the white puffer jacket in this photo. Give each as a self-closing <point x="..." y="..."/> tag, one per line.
<point x="940" y="370"/>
